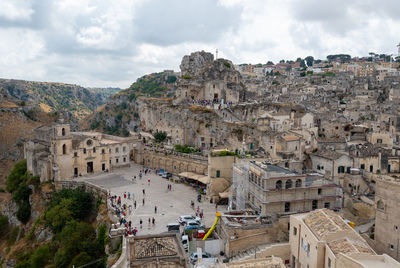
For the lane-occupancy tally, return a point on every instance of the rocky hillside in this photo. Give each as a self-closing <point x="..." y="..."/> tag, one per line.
<point x="121" y="114"/>
<point x="51" y="97"/>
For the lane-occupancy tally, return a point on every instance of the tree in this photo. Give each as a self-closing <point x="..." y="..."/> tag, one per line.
<point x="270" y="63"/>
<point x="3" y="224"/>
<point x="24" y="212"/>
<point x="40" y="257"/>
<point x="59" y="215"/>
<point x="282" y="61"/>
<point x="160" y="136"/>
<point x="16" y="176"/>
<point x="309" y="60"/>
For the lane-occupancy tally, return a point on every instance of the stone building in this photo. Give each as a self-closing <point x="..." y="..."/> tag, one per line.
<point x="163" y="250"/>
<point x="322" y="239"/>
<point x="330" y="163"/>
<point x="273" y="190"/>
<point x="387" y="221"/>
<point x="56" y="153"/>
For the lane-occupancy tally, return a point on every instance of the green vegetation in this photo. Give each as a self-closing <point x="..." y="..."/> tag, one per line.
<point x="76" y="242"/>
<point x="152" y="85"/>
<point x="227" y="64"/>
<point x="186" y="76"/>
<point x="160" y="136"/>
<point x="17" y="184"/>
<point x="186" y="149"/>
<point x="223" y="153"/>
<point x="3" y="224"/>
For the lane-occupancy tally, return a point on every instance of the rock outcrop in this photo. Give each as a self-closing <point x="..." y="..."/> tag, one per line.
<point x="194" y="63"/>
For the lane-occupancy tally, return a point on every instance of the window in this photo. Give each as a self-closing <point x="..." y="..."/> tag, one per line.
<point x="371" y="168"/>
<point x="109" y="151"/>
<point x="396" y="228"/>
<point x="288" y="184"/>
<point x="202" y="138"/>
<point x="287" y="207"/>
<point x="362" y="166"/>
<point x="262" y="185"/>
<point x="75" y="154"/>
<point x="379" y="141"/>
<point x="391" y="247"/>
<point x="116" y="160"/>
<point x="116" y="150"/>
<point x="64" y="149"/>
<point x="294" y="231"/>
<point x="348" y="170"/>
<point x="380" y="205"/>
<point x="63" y="131"/>
<point x="103" y="151"/>
<point x="94" y="150"/>
<point x="84" y="150"/>
<point x="329" y="263"/>
<point x="110" y="161"/>
<point x="319" y="191"/>
<point x="327" y="205"/>
<point x="318" y="167"/>
<point x="298" y="183"/>
<point x="314" y="204"/>
<point x="124" y="149"/>
<point x="89" y="142"/>
<point x="103" y="167"/>
<point x="278" y="184"/>
<point x="124" y="159"/>
<point x="341" y="169"/>
<point x="218" y="174"/>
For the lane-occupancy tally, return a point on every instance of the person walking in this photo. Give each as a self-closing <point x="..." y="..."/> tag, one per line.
<point x="144" y="192"/>
<point x="149" y="221"/>
<point x="129" y="195"/>
<point x="143" y="201"/>
<point x="134" y="204"/>
<point x="141" y="222"/>
<point x="155" y="209"/>
<point x="148" y="182"/>
<point x="154" y="221"/>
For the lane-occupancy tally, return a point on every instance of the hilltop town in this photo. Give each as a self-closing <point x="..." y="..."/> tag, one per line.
<point x="293" y="164"/>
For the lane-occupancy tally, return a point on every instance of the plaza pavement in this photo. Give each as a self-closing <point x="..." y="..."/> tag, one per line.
<point x="170" y="204"/>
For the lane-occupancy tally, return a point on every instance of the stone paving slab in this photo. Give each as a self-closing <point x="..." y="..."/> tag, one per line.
<point x="170" y="204"/>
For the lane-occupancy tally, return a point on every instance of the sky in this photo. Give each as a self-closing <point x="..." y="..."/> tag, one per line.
<point x="111" y="43"/>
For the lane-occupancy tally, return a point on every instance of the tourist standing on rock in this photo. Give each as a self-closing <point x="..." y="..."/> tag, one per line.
<point x="141" y="222"/>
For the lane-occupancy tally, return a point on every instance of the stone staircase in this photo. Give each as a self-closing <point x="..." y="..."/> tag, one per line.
<point x="227" y="116"/>
<point x="255" y="252"/>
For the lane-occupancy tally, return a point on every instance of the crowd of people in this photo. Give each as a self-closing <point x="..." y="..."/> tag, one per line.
<point x="206" y="103"/>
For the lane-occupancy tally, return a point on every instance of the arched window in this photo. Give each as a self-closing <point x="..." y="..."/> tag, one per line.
<point x="279" y="184"/>
<point x="298" y="183"/>
<point x="288" y="184"/>
<point x="64" y="149"/>
<point x="63" y="131"/>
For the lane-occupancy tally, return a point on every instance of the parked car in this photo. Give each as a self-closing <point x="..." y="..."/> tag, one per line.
<point x="185" y="242"/>
<point x="194" y="257"/>
<point x="166" y="175"/>
<point x="193" y="225"/>
<point x="183" y="219"/>
<point x="173" y="227"/>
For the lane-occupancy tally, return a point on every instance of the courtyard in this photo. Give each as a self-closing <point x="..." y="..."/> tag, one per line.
<point x="170" y="204"/>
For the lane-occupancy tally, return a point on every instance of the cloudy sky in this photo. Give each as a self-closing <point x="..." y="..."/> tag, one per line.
<point x="112" y="42"/>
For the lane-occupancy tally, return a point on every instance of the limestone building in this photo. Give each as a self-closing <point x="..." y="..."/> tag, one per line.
<point x="270" y="189"/>
<point x="322" y="239"/>
<point x="387" y="221"/>
<point x="56" y="153"/>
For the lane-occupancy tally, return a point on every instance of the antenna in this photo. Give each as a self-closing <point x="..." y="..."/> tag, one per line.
<point x="398" y="50"/>
<point x="216" y="53"/>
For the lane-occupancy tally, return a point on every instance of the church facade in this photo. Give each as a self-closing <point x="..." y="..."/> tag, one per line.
<point x="55" y="153"/>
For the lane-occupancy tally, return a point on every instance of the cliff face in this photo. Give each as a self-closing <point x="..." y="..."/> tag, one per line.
<point x="51" y="97"/>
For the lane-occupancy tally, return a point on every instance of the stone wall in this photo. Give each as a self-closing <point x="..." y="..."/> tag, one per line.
<point x="174" y="162"/>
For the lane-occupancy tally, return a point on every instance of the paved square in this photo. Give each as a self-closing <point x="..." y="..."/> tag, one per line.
<point x="170" y="204"/>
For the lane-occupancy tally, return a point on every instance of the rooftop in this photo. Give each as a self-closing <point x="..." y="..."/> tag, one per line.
<point x="347" y="245"/>
<point x="290" y="138"/>
<point x="323" y="222"/>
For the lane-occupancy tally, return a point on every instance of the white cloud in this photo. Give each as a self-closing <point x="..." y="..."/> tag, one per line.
<point x="111" y="43"/>
<point x="15" y="9"/>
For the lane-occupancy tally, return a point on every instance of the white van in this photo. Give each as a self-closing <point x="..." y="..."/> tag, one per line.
<point x="185" y="242"/>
